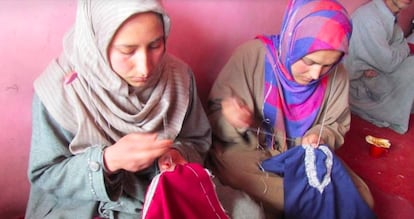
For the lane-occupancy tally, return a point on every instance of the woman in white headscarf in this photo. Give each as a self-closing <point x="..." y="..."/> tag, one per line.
<point x="108" y="110"/>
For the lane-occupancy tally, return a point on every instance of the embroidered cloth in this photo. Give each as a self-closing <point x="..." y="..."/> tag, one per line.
<point x="186" y="192"/>
<point x="316" y="185"/>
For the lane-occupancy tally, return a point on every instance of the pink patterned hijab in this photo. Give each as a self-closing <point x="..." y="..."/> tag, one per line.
<point x="308" y="26"/>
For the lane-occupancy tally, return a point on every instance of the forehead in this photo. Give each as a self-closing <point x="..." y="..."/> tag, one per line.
<point x="144" y="26"/>
<point x="324" y="57"/>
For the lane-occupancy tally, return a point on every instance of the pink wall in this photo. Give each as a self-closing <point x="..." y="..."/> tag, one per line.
<point x="204" y="33"/>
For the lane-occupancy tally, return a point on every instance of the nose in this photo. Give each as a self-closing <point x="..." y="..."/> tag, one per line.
<point x="142" y="63"/>
<point x="316" y="71"/>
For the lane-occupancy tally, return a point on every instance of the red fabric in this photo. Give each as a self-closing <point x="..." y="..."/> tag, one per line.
<point x="411" y="47"/>
<point x="186" y="192"/>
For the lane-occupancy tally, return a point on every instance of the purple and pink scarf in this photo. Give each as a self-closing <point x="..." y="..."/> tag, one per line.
<point x="308" y="26"/>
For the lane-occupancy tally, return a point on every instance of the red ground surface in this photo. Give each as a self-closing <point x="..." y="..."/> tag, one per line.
<point x="390" y="176"/>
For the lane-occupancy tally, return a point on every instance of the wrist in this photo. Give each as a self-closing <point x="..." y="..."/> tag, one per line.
<point x="108" y="162"/>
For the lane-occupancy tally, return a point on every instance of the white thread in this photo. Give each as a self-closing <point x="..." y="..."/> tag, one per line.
<point x="205" y="192"/>
<point x="327" y="104"/>
<point x="310" y="167"/>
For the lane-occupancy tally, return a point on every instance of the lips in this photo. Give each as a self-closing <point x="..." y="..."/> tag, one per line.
<point x="139" y="79"/>
<point x="306" y="80"/>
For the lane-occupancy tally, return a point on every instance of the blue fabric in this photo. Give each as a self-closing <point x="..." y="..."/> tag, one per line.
<point x="338" y="199"/>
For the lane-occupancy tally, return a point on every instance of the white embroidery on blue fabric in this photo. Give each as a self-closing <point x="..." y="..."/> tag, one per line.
<point x="310" y="167"/>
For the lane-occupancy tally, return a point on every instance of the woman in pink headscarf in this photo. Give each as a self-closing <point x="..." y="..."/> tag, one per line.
<point x="280" y="91"/>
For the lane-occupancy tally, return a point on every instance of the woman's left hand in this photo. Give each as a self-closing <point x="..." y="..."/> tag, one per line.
<point x="170" y="159"/>
<point x="312" y="140"/>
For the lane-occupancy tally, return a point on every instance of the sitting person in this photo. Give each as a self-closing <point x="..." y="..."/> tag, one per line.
<point x="111" y="106"/>
<point x="380" y="66"/>
<point x="280" y="91"/>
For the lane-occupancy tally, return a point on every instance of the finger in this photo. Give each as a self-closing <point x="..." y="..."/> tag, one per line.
<point x="177" y="158"/>
<point x="245" y="110"/>
<point x="247" y="116"/>
<point x="163" y="143"/>
<point x="143" y="137"/>
<point x="314" y="145"/>
<point x="227" y="102"/>
<point x="157" y="152"/>
<point x="165" y="162"/>
<point x="236" y="103"/>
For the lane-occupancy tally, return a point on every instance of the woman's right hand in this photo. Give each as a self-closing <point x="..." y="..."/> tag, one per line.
<point x="135" y="152"/>
<point x="237" y="113"/>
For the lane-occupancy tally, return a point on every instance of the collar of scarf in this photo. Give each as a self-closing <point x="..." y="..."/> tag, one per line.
<point x="289" y="108"/>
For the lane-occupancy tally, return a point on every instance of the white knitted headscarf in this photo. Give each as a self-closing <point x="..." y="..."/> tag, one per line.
<point x="86" y="97"/>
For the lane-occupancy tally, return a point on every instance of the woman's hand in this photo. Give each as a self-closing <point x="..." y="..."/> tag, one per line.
<point x="135" y="152"/>
<point x="170" y="159"/>
<point x="312" y="140"/>
<point x="237" y="113"/>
